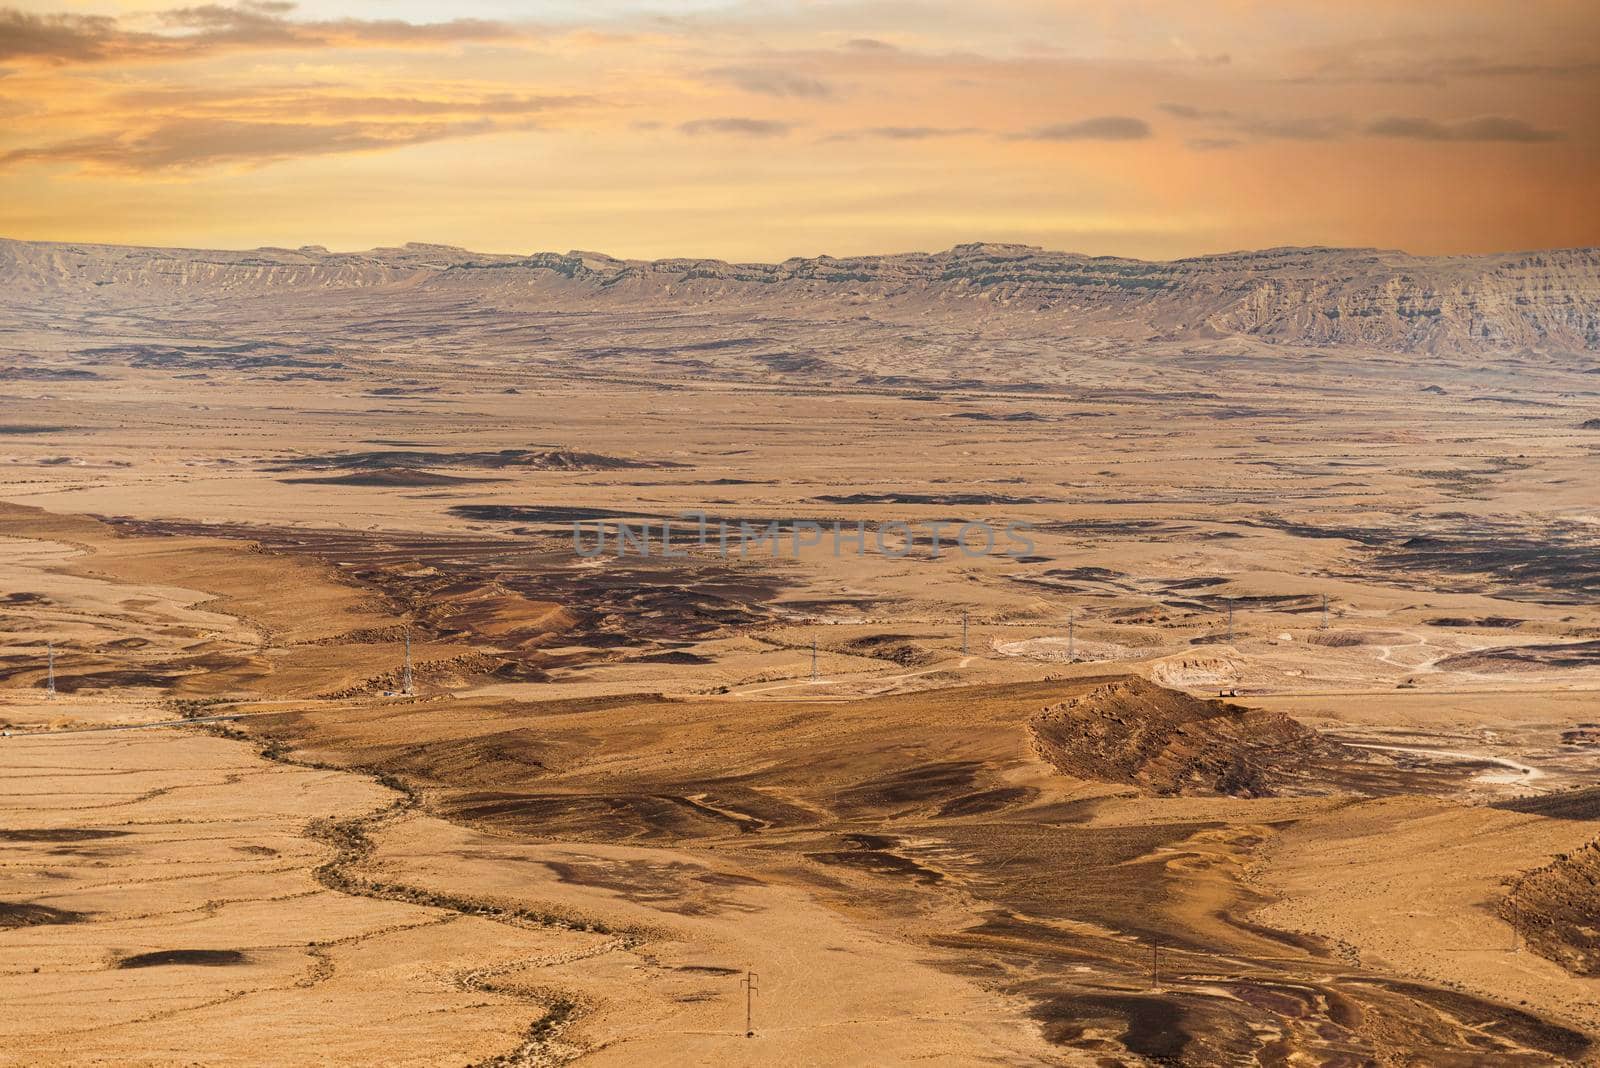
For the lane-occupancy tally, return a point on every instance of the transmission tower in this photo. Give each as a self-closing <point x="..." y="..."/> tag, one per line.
<point x="405" y="673"/>
<point x="749" y="982"/>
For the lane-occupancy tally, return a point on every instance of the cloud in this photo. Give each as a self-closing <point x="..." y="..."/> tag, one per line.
<point x="1233" y="129"/>
<point x="295" y="101"/>
<point x="1485" y="128"/>
<point x="60" y="39"/>
<point x="210" y="142"/>
<point x="1100" y="128"/>
<point x="1292" y="128"/>
<point x="738" y="127"/>
<point x="778" y="83"/>
<point x="1188" y="111"/>
<point x="247" y="22"/>
<point x="1234" y="126"/>
<point x="137" y="124"/>
<point x="1478" y="67"/>
<point x="902" y="133"/>
<point x="1353" y="68"/>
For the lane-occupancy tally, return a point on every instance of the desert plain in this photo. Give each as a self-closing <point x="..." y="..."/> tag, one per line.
<point x="326" y="741"/>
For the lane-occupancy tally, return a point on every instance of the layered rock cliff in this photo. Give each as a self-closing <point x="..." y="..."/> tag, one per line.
<point x="1535" y="301"/>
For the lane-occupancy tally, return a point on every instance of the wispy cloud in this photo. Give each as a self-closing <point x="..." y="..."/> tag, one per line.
<point x="869" y="44"/>
<point x="289" y="101"/>
<point x="1192" y="113"/>
<point x="192" y="143"/>
<point x="1485" y="128"/>
<point x="1233" y="129"/>
<point x="1100" y="128"/>
<point x="902" y="133"/>
<point x="56" y="38"/>
<point x="193" y="31"/>
<point x="737" y="126"/>
<point x="1292" y="127"/>
<point x="1351" y="66"/>
<point x="769" y="82"/>
<point x="167" y="127"/>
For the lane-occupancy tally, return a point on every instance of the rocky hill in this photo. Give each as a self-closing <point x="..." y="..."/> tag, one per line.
<point x="1167" y="742"/>
<point x="1516" y="302"/>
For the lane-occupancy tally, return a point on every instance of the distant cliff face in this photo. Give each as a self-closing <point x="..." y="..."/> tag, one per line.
<point x="1539" y="301"/>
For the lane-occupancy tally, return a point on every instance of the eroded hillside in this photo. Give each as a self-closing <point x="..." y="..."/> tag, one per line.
<point x="1540" y="301"/>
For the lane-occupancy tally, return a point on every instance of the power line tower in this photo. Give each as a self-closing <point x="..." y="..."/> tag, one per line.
<point x="813" y="659"/>
<point x="50" y="670"/>
<point x="1230" y="622"/>
<point x="751" y="989"/>
<point x="1072" y="626"/>
<point x="1324" y="611"/>
<point x="405" y="672"/>
<point x="963" y="634"/>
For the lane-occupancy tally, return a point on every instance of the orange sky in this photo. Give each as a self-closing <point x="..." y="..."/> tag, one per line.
<point x="1152" y="128"/>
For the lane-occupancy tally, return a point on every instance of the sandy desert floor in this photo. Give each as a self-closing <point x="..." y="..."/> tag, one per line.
<point x="1135" y="797"/>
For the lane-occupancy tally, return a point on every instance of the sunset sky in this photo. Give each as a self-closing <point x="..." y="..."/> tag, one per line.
<point x="1151" y="128"/>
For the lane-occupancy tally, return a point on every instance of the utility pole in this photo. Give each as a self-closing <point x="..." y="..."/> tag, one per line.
<point x="749" y="982"/>
<point x="1324" y="611"/>
<point x="50" y="671"/>
<point x="963" y="634"/>
<point x="1072" y="623"/>
<point x="1230" y="622"/>
<point x="405" y="674"/>
<point x="813" y="659"/>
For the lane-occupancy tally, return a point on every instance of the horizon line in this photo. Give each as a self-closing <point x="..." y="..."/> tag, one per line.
<point x="575" y="252"/>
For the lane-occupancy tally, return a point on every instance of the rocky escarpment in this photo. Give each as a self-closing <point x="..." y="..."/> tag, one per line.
<point x="1539" y="301"/>
<point x="113" y="271"/>
<point x="1166" y="742"/>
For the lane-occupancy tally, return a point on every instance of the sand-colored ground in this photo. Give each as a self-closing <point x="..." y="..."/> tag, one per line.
<point x="1413" y="883"/>
<point x="186" y="925"/>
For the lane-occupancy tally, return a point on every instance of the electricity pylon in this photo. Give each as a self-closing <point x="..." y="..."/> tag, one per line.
<point x="405" y="674"/>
